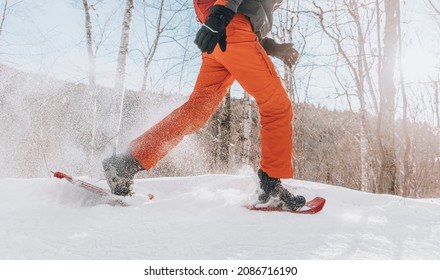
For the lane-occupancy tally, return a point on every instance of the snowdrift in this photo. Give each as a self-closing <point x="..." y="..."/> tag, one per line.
<point x="203" y="218"/>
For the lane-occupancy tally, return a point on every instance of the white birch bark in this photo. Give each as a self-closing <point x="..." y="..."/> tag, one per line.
<point x="247" y="126"/>
<point x="90" y="54"/>
<point x="122" y="61"/>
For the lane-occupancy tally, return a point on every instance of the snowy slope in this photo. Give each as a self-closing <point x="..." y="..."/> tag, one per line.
<point x="202" y="218"/>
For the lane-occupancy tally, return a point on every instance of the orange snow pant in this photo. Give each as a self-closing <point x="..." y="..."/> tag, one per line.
<point x="247" y="62"/>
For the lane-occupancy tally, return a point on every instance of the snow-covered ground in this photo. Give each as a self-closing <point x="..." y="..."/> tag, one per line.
<point x="202" y="218"/>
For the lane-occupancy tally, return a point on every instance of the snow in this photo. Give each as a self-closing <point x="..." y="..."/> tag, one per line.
<point x="202" y="218"/>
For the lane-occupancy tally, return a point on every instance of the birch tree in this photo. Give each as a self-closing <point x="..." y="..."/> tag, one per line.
<point x="7" y="8"/>
<point x="407" y="162"/>
<point x="436" y="83"/>
<point x="226" y="133"/>
<point x="121" y="64"/>
<point x="96" y="33"/>
<point x="4" y="13"/>
<point x="92" y="77"/>
<point x="285" y="32"/>
<point x="435" y="7"/>
<point x="224" y="130"/>
<point x="387" y="181"/>
<point x="90" y="52"/>
<point x="245" y="137"/>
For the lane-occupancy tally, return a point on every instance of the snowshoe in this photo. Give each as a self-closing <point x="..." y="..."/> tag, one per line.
<point x="273" y="194"/>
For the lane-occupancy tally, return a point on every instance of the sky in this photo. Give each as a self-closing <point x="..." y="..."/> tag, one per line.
<point x="48" y="36"/>
<point x="421" y="28"/>
<point x="41" y="35"/>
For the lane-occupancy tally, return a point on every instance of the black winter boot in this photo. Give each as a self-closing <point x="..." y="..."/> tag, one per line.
<point x="119" y="171"/>
<point x="273" y="189"/>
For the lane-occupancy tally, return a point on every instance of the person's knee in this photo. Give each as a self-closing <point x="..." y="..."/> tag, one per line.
<point x="277" y="106"/>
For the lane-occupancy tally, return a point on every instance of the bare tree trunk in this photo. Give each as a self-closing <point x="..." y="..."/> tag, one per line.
<point x="120" y="69"/>
<point x="387" y="181"/>
<point x="435" y="8"/>
<point x="407" y="170"/>
<point x="437" y="113"/>
<point x="245" y="136"/>
<point x="225" y="131"/>
<point x="221" y="130"/>
<point x="2" y="22"/>
<point x="364" y="131"/>
<point x="376" y="188"/>
<point x="436" y="92"/>
<point x="286" y="29"/>
<point x="92" y="78"/>
<point x="149" y="57"/>
<point x="91" y="55"/>
<point x="437" y="104"/>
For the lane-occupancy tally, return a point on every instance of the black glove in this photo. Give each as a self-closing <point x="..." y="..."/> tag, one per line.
<point x="213" y="31"/>
<point x="285" y="52"/>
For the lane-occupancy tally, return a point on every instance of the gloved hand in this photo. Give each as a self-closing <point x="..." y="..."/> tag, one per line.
<point x="213" y="31"/>
<point x="286" y="52"/>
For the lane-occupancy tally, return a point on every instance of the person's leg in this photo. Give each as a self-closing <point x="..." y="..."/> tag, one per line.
<point x="247" y="61"/>
<point x="146" y="150"/>
<point x="211" y="86"/>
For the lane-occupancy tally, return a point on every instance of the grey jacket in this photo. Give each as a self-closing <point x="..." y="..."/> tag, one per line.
<point x="260" y="13"/>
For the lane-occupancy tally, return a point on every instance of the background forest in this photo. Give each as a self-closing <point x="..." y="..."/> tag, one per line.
<point x="365" y="91"/>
